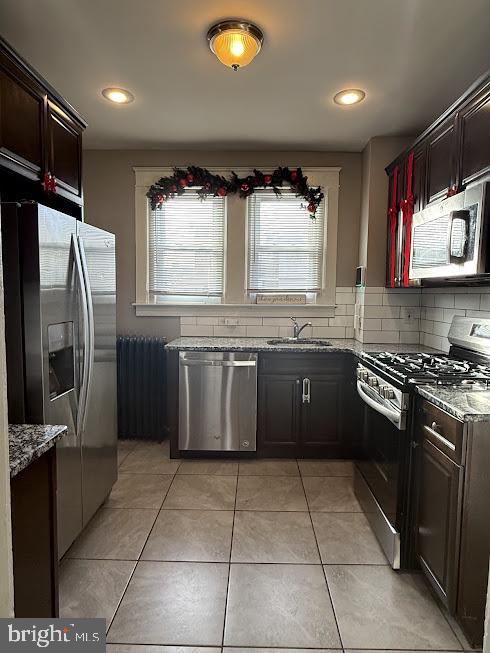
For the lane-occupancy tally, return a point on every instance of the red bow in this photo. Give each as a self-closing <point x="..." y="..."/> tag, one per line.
<point x="49" y="183"/>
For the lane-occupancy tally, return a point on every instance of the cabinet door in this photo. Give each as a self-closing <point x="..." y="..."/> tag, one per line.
<point x="418" y="184"/>
<point x="474" y="137"/>
<point x="22" y="113"/>
<point x="438" y="520"/>
<point x="65" y="152"/>
<point x="321" y="421"/>
<point x="278" y="414"/>
<point x="440" y="161"/>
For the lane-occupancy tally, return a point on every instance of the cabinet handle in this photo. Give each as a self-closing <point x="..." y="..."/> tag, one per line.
<point x="432" y="430"/>
<point x="306" y="391"/>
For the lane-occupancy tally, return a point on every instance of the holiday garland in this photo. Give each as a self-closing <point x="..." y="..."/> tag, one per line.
<point x="219" y="186"/>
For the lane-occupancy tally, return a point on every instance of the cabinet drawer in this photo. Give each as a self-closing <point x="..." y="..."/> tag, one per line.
<point x="443" y="430"/>
<point x="302" y="364"/>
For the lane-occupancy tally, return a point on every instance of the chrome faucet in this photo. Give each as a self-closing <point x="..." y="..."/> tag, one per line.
<point x="298" y="329"/>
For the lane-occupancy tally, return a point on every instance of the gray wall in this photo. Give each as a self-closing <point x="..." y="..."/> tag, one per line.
<point x="109" y="204"/>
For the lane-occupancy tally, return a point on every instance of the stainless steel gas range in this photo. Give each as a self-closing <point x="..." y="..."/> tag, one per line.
<point x="386" y="384"/>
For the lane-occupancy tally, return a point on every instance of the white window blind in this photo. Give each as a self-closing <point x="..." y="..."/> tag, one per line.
<point x="186" y="247"/>
<point x="285" y="246"/>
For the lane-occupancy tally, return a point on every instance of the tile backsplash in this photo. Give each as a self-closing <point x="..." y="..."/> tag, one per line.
<point x="371" y="315"/>
<point x="341" y="325"/>
<point x="439" y="305"/>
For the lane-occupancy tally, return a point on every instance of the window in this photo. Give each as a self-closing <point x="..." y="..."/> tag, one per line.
<point x="285" y="246"/>
<point x="186" y="250"/>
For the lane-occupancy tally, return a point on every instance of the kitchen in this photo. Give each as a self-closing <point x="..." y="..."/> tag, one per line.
<point x="278" y="322"/>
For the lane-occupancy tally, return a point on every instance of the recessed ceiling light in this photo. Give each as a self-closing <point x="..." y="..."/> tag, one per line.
<point x="349" y="96"/>
<point x="118" y="95"/>
<point x="235" y="42"/>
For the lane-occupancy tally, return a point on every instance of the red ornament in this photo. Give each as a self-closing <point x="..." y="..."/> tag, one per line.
<point x="183" y="182"/>
<point x="207" y="185"/>
<point x="244" y="188"/>
<point x="267" y="179"/>
<point x="222" y="191"/>
<point x="190" y="177"/>
<point x="160" y="198"/>
<point x="49" y="183"/>
<point x="294" y="175"/>
<point x="173" y="188"/>
<point x="312" y="207"/>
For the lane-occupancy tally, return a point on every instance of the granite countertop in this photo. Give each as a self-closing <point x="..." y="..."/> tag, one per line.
<point x="29" y="441"/>
<point x="464" y="403"/>
<point x="187" y="343"/>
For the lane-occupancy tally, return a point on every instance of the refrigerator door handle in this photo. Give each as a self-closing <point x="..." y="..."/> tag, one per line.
<point x="85" y="317"/>
<point x="91" y="328"/>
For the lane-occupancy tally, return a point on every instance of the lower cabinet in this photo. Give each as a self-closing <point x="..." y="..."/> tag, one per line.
<point x="438" y="520"/>
<point x="302" y="406"/>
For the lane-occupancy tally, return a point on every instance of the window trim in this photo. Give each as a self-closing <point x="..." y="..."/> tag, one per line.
<point x="235" y="299"/>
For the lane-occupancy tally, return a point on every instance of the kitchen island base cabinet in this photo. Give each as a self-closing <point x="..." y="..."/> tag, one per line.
<point x="34" y="539"/>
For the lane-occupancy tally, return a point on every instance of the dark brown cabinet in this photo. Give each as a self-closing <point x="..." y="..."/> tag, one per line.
<point x="40" y="133"/>
<point x="450" y="154"/>
<point x="65" y="151"/>
<point x="440" y="164"/>
<point x="474" y="138"/>
<point x="22" y="114"/>
<point x="302" y="403"/>
<point x="438" y="520"/>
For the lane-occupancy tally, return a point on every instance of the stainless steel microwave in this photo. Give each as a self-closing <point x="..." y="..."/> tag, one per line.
<point x="449" y="237"/>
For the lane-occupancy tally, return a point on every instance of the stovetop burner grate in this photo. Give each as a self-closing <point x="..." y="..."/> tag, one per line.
<point x="440" y="368"/>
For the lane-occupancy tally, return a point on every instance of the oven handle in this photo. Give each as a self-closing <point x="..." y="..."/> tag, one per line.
<point x="393" y="415"/>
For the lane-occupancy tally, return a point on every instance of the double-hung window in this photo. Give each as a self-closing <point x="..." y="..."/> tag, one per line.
<point x="285" y="246"/>
<point x="186" y="241"/>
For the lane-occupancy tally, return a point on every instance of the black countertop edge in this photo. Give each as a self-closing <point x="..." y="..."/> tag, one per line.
<point x="461" y="402"/>
<point x="27" y="442"/>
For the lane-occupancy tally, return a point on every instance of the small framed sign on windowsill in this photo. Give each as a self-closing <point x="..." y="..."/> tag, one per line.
<point x="282" y="298"/>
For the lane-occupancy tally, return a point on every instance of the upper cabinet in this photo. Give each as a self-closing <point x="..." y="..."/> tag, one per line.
<point x="474" y="138"/>
<point x="440" y="161"/>
<point x="40" y="133"/>
<point x="451" y="154"/>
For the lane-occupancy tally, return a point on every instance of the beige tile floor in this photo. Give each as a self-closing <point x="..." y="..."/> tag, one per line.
<point x="258" y="557"/>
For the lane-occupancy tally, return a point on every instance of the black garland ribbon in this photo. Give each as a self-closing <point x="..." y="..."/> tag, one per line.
<point x="218" y="186"/>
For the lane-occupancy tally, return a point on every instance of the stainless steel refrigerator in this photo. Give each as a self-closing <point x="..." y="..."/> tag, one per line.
<point x="62" y="332"/>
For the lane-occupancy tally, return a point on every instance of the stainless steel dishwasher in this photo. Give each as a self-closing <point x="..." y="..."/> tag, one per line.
<point x="217" y="401"/>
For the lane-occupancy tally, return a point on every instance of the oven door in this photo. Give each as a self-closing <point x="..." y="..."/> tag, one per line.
<point x="377" y="478"/>
<point x="447" y="237"/>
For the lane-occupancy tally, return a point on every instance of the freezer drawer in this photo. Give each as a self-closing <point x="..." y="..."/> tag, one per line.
<point x="217" y="401"/>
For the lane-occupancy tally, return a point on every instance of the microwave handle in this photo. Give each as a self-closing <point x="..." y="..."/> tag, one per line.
<point x="463" y="215"/>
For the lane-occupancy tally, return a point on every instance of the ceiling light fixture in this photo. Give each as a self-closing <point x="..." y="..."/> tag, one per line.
<point x="118" y="95"/>
<point x="349" y="96"/>
<point x="235" y="42"/>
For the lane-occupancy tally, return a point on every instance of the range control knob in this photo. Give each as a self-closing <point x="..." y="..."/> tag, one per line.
<point x="373" y="381"/>
<point x="362" y="374"/>
<point x="388" y="393"/>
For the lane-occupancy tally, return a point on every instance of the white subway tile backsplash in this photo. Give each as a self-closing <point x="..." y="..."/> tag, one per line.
<point x="328" y="332"/>
<point x="192" y="330"/>
<point x="373" y="300"/>
<point x="262" y="331"/>
<point x="485" y="302"/>
<point x="441" y="329"/>
<point x="345" y="321"/>
<point x="436" y="314"/>
<point x="209" y="321"/>
<point x="371" y="324"/>
<point x="400" y="324"/>
<point x="345" y="298"/>
<point x="410" y="337"/>
<point x="349" y="332"/>
<point x="449" y="313"/>
<point x="399" y="299"/>
<point x="444" y="300"/>
<point x="381" y="311"/>
<point x="187" y="320"/>
<point x="467" y="301"/>
<point x="381" y="336"/>
<point x="230" y="332"/>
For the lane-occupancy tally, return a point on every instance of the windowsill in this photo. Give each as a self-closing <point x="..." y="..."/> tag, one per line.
<point x="203" y="310"/>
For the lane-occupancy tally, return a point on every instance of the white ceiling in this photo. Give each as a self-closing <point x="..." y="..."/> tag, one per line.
<point x="412" y="57"/>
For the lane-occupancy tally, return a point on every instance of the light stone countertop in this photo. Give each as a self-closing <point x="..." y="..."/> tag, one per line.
<point x="466" y="403"/>
<point x="27" y="442"/>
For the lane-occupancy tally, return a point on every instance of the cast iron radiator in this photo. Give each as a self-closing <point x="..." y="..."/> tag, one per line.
<point x="141" y="391"/>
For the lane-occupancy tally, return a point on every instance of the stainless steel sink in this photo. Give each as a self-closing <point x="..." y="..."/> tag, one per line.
<point x="299" y="341"/>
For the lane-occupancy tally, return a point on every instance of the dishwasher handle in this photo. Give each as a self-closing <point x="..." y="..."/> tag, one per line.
<point x="195" y="362"/>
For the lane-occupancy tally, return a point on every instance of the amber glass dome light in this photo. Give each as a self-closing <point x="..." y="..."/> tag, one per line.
<point x="236" y="43"/>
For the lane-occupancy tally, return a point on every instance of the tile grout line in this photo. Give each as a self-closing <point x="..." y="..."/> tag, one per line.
<point x="321" y="561"/>
<point x="229" y="564"/>
<point x="139" y="557"/>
